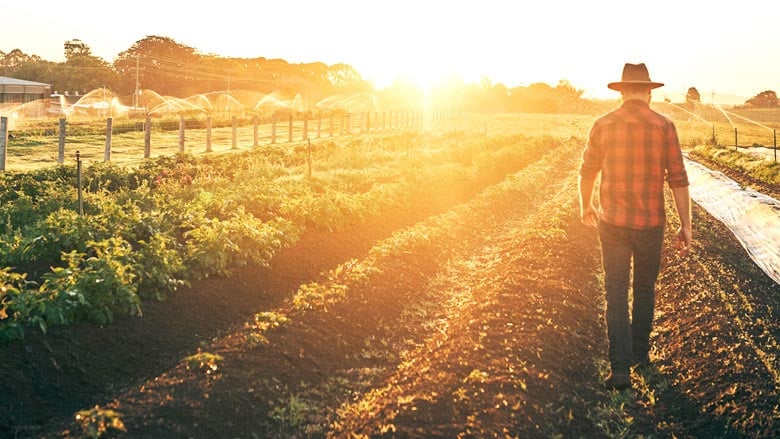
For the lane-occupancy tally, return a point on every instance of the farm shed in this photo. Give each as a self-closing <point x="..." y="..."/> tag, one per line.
<point x="34" y="96"/>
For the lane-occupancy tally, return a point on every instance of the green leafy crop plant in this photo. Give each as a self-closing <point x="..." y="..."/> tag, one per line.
<point x="149" y="229"/>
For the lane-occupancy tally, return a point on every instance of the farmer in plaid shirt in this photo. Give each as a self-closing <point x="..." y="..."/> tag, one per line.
<point x="636" y="150"/>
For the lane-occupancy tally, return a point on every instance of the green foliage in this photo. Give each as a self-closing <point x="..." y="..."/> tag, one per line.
<point x="204" y="362"/>
<point x="97" y="422"/>
<point x="291" y="412"/>
<point x="95" y="287"/>
<point x="18" y="305"/>
<point x="159" y="266"/>
<point x="214" y="245"/>
<point x="63" y="230"/>
<point x="270" y="320"/>
<point x="148" y="230"/>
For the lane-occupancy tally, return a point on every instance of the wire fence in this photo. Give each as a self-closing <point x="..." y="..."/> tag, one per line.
<point x="129" y="140"/>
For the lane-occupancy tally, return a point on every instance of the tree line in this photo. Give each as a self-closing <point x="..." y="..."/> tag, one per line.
<point x="170" y="68"/>
<point x="765" y="99"/>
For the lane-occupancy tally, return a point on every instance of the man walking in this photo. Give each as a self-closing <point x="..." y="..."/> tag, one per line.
<point x="635" y="149"/>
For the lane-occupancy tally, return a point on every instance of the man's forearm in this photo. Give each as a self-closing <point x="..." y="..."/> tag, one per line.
<point x="586" y="191"/>
<point x="682" y="202"/>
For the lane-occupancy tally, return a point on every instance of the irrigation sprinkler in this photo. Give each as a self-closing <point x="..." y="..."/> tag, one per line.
<point x="774" y="132"/>
<point x="736" y="140"/>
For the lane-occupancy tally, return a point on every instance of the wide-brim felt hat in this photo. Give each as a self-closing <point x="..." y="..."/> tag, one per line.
<point x="634" y="74"/>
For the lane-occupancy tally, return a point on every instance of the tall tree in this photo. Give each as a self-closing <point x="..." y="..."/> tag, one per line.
<point x="692" y="96"/>
<point x="82" y="73"/>
<point x="13" y="60"/>
<point x="344" y="78"/>
<point x="75" y="48"/>
<point x="162" y="64"/>
<point x="765" y="99"/>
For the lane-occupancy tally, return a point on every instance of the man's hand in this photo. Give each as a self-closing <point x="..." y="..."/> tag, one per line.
<point x="683" y="241"/>
<point x="589" y="216"/>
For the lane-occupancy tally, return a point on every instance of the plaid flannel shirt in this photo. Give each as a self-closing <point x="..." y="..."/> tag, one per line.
<point x="636" y="150"/>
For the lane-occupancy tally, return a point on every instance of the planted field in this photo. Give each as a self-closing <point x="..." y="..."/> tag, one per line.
<point x="412" y="286"/>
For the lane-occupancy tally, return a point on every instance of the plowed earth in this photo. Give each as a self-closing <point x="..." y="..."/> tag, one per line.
<point x="474" y="319"/>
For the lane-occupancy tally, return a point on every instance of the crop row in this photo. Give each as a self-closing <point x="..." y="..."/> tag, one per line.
<point x="146" y="231"/>
<point x="372" y="307"/>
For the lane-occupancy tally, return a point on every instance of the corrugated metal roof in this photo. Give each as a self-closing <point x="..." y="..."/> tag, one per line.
<point x="4" y="80"/>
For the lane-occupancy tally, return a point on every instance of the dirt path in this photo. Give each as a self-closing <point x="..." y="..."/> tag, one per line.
<point x="513" y="345"/>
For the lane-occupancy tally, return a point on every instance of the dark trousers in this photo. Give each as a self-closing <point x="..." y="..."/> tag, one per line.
<point x="629" y="336"/>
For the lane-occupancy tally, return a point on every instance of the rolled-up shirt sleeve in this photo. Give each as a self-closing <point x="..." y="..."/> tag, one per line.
<point x="591" y="157"/>
<point x="676" y="175"/>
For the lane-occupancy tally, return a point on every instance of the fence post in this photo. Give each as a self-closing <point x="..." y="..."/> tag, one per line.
<point x="208" y="133"/>
<point x="109" y="133"/>
<point x="61" y="155"/>
<point x="3" y="141"/>
<point x="308" y="156"/>
<point x="148" y="137"/>
<point x="774" y="132"/>
<point x="290" y="129"/>
<point x="305" y="126"/>
<point x="78" y="178"/>
<point x="256" y="133"/>
<point x="736" y="140"/>
<point x="234" y="145"/>
<point x="273" y="130"/>
<point x="319" y="124"/>
<point x="181" y="134"/>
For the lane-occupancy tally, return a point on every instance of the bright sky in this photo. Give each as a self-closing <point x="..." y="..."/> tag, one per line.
<point x="721" y="47"/>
